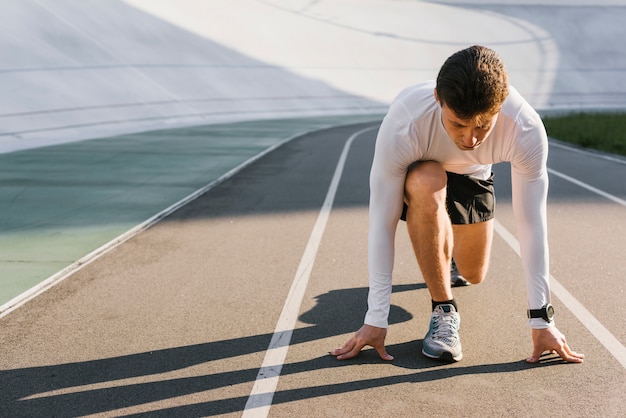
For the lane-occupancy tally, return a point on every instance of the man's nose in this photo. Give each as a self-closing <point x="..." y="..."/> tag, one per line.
<point x="469" y="140"/>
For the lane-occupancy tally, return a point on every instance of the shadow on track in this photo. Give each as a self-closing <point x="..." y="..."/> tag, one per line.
<point x="28" y="391"/>
<point x="35" y="391"/>
<point x="58" y="390"/>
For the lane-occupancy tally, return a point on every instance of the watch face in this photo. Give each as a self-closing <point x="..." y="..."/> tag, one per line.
<point x="550" y="311"/>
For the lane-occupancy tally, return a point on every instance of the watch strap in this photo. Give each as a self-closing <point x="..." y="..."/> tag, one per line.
<point x="546" y="313"/>
<point x="536" y="313"/>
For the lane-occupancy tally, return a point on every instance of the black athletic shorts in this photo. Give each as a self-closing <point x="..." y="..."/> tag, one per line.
<point x="469" y="200"/>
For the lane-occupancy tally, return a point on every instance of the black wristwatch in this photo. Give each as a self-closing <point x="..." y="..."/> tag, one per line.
<point x="546" y="313"/>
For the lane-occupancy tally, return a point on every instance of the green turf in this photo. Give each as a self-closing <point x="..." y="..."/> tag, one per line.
<point x="601" y="131"/>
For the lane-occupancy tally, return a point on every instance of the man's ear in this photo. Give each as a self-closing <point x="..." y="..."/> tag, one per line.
<point x="436" y="97"/>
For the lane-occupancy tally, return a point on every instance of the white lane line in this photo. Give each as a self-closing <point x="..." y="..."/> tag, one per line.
<point x="616" y="159"/>
<point x="260" y="399"/>
<point x="588" y="187"/>
<point x="603" y="335"/>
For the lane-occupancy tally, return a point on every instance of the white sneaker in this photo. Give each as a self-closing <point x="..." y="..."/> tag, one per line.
<point x="442" y="340"/>
<point x="455" y="277"/>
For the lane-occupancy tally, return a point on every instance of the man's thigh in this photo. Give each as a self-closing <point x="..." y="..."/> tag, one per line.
<point x="472" y="249"/>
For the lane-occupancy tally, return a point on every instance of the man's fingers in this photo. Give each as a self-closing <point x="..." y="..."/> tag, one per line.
<point x="350" y="351"/>
<point x="551" y="340"/>
<point x="350" y="354"/>
<point x="344" y="353"/>
<point x="564" y="352"/>
<point x="382" y="352"/>
<point x="346" y="348"/>
<point x="537" y="352"/>
<point x="366" y="335"/>
<point x="570" y="356"/>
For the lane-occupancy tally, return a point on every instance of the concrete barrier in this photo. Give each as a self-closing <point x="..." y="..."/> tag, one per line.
<point x="78" y="70"/>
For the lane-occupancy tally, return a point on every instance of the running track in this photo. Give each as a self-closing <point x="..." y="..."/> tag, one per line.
<point x="230" y="304"/>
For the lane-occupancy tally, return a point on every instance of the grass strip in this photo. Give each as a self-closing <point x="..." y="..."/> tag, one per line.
<point x="600" y="131"/>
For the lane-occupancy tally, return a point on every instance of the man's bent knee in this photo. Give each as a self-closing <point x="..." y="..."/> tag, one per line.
<point x="472" y="272"/>
<point x="424" y="179"/>
<point x="473" y="277"/>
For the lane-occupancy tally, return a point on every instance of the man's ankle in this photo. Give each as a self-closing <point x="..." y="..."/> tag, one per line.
<point x="445" y="302"/>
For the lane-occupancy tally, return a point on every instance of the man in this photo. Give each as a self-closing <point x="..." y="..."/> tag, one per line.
<point x="432" y="168"/>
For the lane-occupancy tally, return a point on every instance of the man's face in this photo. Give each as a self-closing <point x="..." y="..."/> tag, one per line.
<point x="467" y="134"/>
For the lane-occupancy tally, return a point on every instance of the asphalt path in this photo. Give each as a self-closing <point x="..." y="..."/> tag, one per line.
<point x="192" y="316"/>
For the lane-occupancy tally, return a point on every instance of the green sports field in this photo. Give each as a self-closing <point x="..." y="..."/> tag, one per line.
<point x="600" y="131"/>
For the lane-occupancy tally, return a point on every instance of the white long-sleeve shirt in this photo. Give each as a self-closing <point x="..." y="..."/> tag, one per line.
<point x="412" y="131"/>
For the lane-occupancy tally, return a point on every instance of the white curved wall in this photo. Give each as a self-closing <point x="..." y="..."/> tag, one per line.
<point x="74" y="70"/>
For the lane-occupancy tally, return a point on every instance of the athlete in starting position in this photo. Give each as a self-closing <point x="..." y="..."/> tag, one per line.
<point x="432" y="168"/>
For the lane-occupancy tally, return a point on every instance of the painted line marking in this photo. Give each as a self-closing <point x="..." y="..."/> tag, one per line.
<point x="260" y="399"/>
<point x="598" y="154"/>
<point x="588" y="187"/>
<point x="603" y="335"/>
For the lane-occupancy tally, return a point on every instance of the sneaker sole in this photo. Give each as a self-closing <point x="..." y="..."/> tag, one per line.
<point x="461" y="283"/>
<point x="445" y="356"/>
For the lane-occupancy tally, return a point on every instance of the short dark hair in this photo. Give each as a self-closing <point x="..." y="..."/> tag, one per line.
<point x="473" y="82"/>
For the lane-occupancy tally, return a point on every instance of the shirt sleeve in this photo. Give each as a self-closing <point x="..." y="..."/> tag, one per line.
<point x="530" y="189"/>
<point x="392" y="156"/>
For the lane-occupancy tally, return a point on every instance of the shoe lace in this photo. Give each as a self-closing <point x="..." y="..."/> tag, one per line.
<point x="446" y="328"/>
